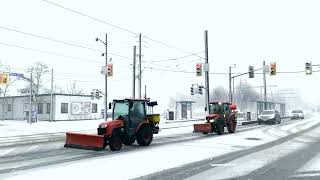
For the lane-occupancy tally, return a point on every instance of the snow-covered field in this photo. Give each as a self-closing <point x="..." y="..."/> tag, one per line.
<point x="143" y="161"/>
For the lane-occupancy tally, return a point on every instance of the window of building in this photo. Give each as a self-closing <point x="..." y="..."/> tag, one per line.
<point x="94" y="108"/>
<point x="9" y="107"/>
<point x="64" y="108"/>
<point x="40" y="108"/>
<point x="48" y="108"/>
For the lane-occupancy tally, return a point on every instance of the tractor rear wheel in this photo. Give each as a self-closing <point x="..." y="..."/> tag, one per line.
<point x="115" y="143"/>
<point x="145" y="136"/>
<point x="220" y="128"/>
<point x="232" y="125"/>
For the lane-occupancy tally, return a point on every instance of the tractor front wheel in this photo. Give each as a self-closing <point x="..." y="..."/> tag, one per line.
<point x="115" y="143"/>
<point x="145" y="136"/>
<point x="220" y="128"/>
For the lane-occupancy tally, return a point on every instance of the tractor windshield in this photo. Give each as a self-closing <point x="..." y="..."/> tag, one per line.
<point x="120" y="109"/>
<point x="213" y="108"/>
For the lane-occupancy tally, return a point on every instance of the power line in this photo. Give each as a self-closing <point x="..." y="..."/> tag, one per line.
<point x="50" y="52"/>
<point x="59" y="41"/>
<point x="172" y="47"/>
<point x="180" y="71"/>
<point x="116" y="26"/>
<point x="90" y="17"/>
<point x="173" y="59"/>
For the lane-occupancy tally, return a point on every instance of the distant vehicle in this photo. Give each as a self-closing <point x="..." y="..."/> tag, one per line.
<point x="269" y="116"/>
<point x="297" y="114"/>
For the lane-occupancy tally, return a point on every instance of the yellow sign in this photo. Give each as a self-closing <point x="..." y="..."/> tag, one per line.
<point x="4" y="78"/>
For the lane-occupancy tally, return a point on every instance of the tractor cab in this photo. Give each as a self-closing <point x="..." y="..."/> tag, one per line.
<point x="131" y="112"/>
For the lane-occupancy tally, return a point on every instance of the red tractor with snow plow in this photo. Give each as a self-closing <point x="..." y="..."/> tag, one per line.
<point x="220" y="115"/>
<point x="130" y="123"/>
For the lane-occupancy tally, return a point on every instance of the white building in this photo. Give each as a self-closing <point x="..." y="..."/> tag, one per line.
<point x="65" y="107"/>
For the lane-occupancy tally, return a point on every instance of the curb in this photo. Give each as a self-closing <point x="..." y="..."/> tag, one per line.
<point x="248" y="122"/>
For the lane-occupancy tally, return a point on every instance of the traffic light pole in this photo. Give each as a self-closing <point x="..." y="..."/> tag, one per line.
<point x="106" y="81"/>
<point x="264" y="84"/>
<point x="230" y="93"/>
<point x="30" y="99"/>
<point x="206" y="70"/>
<point x="134" y="73"/>
<point x="140" y="71"/>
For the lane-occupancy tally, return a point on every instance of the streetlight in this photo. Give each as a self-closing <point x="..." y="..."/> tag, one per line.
<point x="106" y="76"/>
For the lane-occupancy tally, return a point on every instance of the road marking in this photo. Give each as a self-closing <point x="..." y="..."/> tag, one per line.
<point x="222" y="165"/>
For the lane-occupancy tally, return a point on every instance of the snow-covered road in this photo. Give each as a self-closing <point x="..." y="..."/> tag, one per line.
<point x="173" y="148"/>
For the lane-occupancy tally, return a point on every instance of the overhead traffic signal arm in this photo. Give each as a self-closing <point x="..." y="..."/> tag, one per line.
<point x="246" y="73"/>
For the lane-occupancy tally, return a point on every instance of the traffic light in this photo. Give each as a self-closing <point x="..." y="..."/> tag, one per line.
<point x="97" y="94"/>
<point x="110" y="70"/>
<point x="192" y="90"/>
<point x="200" y="89"/>
<point x="92" y="94"/>
<point x="199" y="69"/>
<point x="251" y="72"/>
<point x="273" y="69"/>
<point x="33" y="98"/>
<point x="308" y="68"/>
<point x="4" y="78"/>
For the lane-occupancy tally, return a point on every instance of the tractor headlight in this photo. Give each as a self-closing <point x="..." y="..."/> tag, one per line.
<point x="102" y="126"/>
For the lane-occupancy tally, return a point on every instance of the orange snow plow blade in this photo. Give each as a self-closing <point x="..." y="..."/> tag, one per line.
<point x="204" y="128"/>
<point x="84" y="141"/>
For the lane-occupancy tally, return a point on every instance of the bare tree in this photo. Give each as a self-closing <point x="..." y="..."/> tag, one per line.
<point x="73" y="89"/>
<point x="38" y="71"/>
<point x="219" y="94"/>
<point x="5" y="90"/>
<point x="245" y="97"/>
<point x="3" y="93"/>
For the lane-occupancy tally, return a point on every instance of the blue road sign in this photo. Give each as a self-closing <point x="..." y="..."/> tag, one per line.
<point x="16" y="74"/>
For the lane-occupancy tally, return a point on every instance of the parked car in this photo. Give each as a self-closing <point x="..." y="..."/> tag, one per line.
<point x="269" y="116"/>
<point x="296" y="114"/>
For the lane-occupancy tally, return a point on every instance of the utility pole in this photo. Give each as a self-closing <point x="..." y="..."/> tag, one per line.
<point x="265" y="85"/>
<point x="230" y="91"/>
<point x="140" y="72"/>
<point x="134" y="73"/>
<point x="51" y="97"/>
<point x="206" y="70"/>
<point x="30" y="98"/>
<point x="106" y="79"/>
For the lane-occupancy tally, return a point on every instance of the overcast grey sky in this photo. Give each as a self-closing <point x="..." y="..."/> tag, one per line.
<point x="240" y="32"/>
